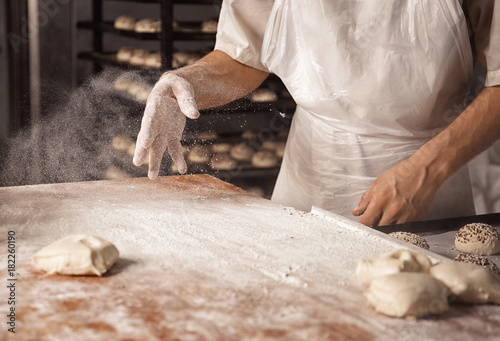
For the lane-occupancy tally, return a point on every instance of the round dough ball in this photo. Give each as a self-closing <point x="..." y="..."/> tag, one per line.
<point x="242" y="152"/>
<point x="124" y="54"/>
<point x="263" y="95"/>
<point x="249" y="135"/>
<point x="146" y="26"/>
<point x="391" y="263"/>
<point x="143" y="94"/>
<point x="270" y="145"/>
<point x="209" y="26"/>
<point x="121" y="143"/>
<point x="223" y="162"/>
<point x="77" y="255"/>
<point x="138" y="57"/>
<point x="153" y="60"/>
<point x="122" y="84"/>
<point x="280" y="150"/>
<point x="478" y="260"/>
<point x="468" y="282"/>
<point x="198" y="154"/>
<point x="264" y="159"/>
<point x="113" y="173"/>
<point x="135" y="88"/>
<point x="479" y="238"/>
<point x="221" y="148"/>
<point x="411" y="238"/>
<point x="207" y="136"/>
<point x="125" y="22"/>
<point x="256" y="191"/>
<point x="408" y="295"/>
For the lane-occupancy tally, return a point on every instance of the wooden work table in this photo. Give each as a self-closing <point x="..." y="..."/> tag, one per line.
<point x="201" y="259"/>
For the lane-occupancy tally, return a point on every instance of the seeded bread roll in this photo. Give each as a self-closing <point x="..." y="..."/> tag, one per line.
<point x="411" y="238"/>
<point x="478" y="238"/>
<point x="478" y="260"/>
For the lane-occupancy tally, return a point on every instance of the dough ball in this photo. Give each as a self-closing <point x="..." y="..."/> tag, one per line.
<point x="125" y="22"/>
<point x="478" y="260"/>
<point x="479" y="238"/>
<point x="143" y="94"/>
<point x="284" y="133"/>
<point x="209" y="26"/>
<point x="242" y="152"/>
<point x="153" y="60"/>
<point x="113" y="173"/>
<point x="207" y="136"/>
<point x="408" y="295"/>
<point x="138" y="57"/>
<point x="264" y="159"/>
<point x="391" y="263"/>
<point x="183" y="58"/>
<point x="411" y="238"/>
<point x="146" y="26"/>
<point x="256" y="191"/>
<point x="468" y="282"/>
<point x="221" y="148"/>
<point x="263" y="95"/>
<point x="270" y="145"/>
<point x="280" y="150"/>
<point x="122" y="84"/>
<point x="249" y="135"/>
<point x="198" y="154"/>
<point x="77" y="255"/>
<point x="223" y="162"/>
<point x="121" y="143"/>
<point x="124" y="54"/>
<point x="135" y="88"/>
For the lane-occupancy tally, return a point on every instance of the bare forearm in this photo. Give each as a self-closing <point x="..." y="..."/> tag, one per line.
<point x="217" y="79"/>
<point x="472" y="132"/>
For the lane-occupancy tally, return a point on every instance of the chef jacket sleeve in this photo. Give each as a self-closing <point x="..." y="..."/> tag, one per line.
<point x="484" y="23"/>
<point x="241" y="28"/>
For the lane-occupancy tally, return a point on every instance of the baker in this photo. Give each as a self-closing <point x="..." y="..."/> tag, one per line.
<point x="381" y="132"/>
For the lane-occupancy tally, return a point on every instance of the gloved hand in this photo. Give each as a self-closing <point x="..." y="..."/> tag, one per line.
<point x="168" y="105"/>
<point x="401" y="194"/>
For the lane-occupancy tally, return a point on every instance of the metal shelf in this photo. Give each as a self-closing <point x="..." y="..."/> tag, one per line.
<point x="188" y="34"/>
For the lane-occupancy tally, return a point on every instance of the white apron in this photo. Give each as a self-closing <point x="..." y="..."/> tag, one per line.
<point x="373" y="81"/>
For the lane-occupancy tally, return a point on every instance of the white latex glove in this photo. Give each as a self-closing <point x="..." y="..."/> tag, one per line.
<point x="168" y="104"/>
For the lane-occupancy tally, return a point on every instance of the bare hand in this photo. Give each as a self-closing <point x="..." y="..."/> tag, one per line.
<point x="401" y="194"/>
<point x="168" y="105"/>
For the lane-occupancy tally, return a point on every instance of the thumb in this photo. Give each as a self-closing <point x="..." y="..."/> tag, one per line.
<point x="362" y="205"/>
<point x="184" y="93"/>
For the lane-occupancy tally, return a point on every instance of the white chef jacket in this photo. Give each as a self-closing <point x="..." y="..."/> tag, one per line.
<point x="373" y="81"/>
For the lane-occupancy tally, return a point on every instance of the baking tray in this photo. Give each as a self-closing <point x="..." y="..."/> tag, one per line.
<point x="440" y="234"/>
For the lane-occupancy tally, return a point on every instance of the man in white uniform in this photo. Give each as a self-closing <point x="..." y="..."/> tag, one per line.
<point x="381" y="130"/>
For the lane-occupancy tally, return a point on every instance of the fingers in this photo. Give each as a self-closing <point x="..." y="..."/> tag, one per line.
<point x="175" y="151"/>
<point x="144" y="140"/>
<point x="363" y="204"/>
<point x="155" y="156"/>
<point x="184" y="93"/>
